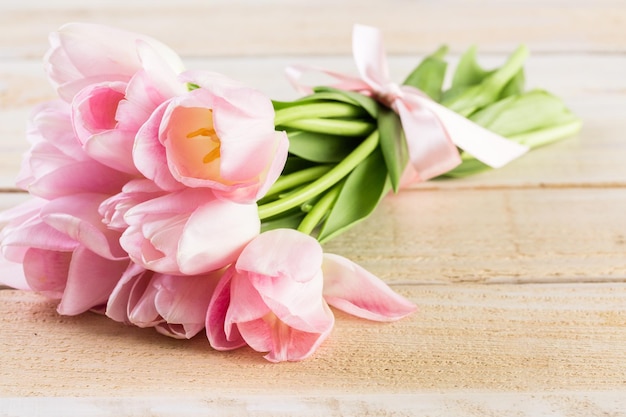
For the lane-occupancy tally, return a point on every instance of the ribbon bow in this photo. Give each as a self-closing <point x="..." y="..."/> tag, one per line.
<point x="432" y="131"/>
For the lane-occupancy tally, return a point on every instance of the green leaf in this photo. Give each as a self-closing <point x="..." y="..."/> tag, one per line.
<point x="295" y="163"/>
<point x="430" y="74"/>
<point x="468" y="72"/>
<point x="490" y="87"/>
<point x="359" y="196"/>
<point x="515" y="86"/>
<point x="320" y="147"/>
<point x="393" y="145"/>
<point x="533" y="110"/>
<point x="534" y="118"/>
<point x="286" y="221"/>
<point x="370" y="105"/>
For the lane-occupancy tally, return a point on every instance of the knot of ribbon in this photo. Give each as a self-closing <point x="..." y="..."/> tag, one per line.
<point x="432" y="131"/>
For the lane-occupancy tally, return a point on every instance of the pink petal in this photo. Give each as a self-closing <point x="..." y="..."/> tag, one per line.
<point x="246" y="304"/>
<point x="94" y="107"/>
<point x="47" y="270"/>
<point x="23" y="211"/>
<point x="35" y="233"/>
<point x="90" y="281"/>
<point x="219" y="337"/>
<point x="148" y="89"/>
<point x="215" y="235"/>
<point x="78" y="217"/>
<point x="12" y="275"/>
<point x="117" y="305"/>
<point x="149" y="154"/>
<point x="113" y="148"/>
<point x="185" y="300"/>
<point x="141" y="309"/>
<point x="51" y="122"/>
<point x="350" y="288"/>
<point x="142" y="251"/>
<point x="82" y="50"/>
<point x="79" y="177"/>
<point x="277" y="165"/>
<point x="282" y="253"/>
<point x="282" y="342"/>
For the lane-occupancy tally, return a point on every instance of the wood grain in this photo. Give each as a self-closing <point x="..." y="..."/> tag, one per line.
<point x="519" y="273"/>
<point x="245" y="27"/>
<point x="493" y="235"/>
<point x="499" y="338"/>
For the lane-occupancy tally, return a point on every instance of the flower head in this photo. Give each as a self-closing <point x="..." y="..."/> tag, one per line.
<point x="219" y="136"/>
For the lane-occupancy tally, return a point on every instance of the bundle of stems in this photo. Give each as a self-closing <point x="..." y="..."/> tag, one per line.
<point x="347" y="150"/>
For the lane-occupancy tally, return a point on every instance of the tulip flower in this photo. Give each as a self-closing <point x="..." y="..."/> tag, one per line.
<point x="174" y="305"/>
<point x="275" y="298"/>
<point x="188" y="232"/>
<point x="219" y="136"/>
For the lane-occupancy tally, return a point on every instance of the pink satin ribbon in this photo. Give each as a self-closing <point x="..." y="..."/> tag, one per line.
<point x="432" y="131"/>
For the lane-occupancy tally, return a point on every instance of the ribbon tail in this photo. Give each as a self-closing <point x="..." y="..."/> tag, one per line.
<point x="484" y="145"/>
<point x="370" y="57"/>
<point x="431" y="150"/>
<point x="294" y="74"/>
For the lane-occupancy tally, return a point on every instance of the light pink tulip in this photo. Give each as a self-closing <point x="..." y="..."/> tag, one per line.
<point x="188" y="232"/>
<point x="56" y="164"/>
<point x="174" y="305"/>
<point x="134" y="192"/>
<point x="84" y="54"/>
<point x="107" y="115"/>
<point x="274" y="298"/>
<point x="219" y="136"/>
<point x="65" y="251"/>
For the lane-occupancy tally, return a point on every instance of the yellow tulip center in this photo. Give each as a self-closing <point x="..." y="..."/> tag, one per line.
<point x="194" y="144"/>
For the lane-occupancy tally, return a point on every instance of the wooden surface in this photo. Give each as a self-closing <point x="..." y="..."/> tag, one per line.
<point x="519" y="273"/>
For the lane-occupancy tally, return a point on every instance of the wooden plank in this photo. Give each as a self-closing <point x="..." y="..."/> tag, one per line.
<point x="472" y="338"/>
<point x="493" y="235"/>
<point x="458" y="404"/>
<point x="595" y="156"/>
<point x="229" y="28"/>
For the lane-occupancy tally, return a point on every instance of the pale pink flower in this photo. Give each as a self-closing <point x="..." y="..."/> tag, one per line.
<point x="65" y="251"/>
<point x="107" y="115"/>
<point x="219" y="136"/>
<point x="188" y="232"/>
<point x="274" y="298"/>
<point x="56" y="164"/>
<point x="174" y="305"/>
<point x="84" y="54"/>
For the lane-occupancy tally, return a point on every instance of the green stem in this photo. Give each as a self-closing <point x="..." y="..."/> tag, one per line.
<point x="340" y="127"/>
<point x="286" y="182"/>
<point x="323" y="183"/>
<point x="316" y="110"/>
<point x="319" y="210"/>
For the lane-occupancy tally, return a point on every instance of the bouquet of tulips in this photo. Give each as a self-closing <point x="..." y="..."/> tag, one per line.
<point x="186" y="201"/>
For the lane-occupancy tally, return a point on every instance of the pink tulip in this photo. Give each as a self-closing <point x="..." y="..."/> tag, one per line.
<point x="56" y="164"/>
<point x="65" y="251"/>
<point x="188" y="232"/>
<point x="107" y="115"/>
<point x="175" y="305"/>
<point x="219" y="136"/>
<point x="134" y="192"/>
<point x="271" y="299"/>
<point x="274" y="298"/>
<point x="84" y="54"/>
